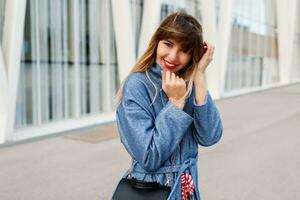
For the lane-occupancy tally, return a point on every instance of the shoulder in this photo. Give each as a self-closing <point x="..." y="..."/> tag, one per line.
<point x="136" y="92"/>
<point x="135" y="80"/>
<point x="136" y="85"/>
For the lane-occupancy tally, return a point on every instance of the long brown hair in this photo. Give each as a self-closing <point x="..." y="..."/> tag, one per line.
<point x="181" y="28"/>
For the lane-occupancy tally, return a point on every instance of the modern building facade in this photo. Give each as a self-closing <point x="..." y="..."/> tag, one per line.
<point x="62" y="61"/>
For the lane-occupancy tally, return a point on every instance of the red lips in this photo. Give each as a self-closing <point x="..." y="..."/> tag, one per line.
<point x="169" y="66"/>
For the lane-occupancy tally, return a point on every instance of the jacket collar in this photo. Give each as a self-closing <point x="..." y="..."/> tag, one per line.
<point x="156" y="76"/>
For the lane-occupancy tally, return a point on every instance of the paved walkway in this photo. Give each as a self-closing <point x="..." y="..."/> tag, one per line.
<point x="257" y="158"/>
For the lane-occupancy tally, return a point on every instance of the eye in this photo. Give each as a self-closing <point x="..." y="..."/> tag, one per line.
<point x="183" y="51"/>
<point x="168" y="44"/>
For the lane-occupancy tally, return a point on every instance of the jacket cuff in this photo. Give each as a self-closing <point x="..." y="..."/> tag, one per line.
<point x="205" y="101"/>
<point x="172" y="117"/>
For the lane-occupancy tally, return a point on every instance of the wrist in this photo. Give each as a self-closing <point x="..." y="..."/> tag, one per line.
<point x="200" y="76"/>
<point x="200" y="73"/>
<point x="179" y="104"/>
<point x="201" y="68"/>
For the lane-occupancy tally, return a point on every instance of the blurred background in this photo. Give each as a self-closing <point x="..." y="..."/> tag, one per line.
<point x="62" y="61"/>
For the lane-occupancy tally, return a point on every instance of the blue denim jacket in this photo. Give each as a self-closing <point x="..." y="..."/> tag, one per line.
<point x="162" y="139"/>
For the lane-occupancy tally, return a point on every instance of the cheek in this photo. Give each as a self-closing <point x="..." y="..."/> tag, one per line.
<point x="159" y="53"/>
<point x="158" y="57"/>
<point x="161" y="50"/>
<point x="186" y="59"/>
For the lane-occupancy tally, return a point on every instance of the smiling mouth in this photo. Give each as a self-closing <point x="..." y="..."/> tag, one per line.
<point x="169" y="66"/>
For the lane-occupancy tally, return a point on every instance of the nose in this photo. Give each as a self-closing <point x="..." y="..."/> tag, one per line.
<point x="173" y="55"/>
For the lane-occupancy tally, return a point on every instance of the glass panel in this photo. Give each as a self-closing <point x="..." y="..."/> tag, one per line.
<point x="252" y="57"/>
<point x="190" y="6"/>
<point x="137" y="15"/>
<point x="55" y="59"/>
<point x="2" y="13"/>
<point x="97" y="57"/>
<point x="47" y="75"/>
<point x="24" y="110"/>
<point x="46" y="64"/>
<point x="113" y="63"/>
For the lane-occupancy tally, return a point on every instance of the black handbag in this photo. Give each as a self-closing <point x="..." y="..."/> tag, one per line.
<point x="133" y="189"/>
<point x="130" y="188"/>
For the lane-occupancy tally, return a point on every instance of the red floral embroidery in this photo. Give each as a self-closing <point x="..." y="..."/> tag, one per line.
<point x="187" y="186"/>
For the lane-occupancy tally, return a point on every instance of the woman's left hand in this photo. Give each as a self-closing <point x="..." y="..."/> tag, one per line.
<point x="206" y="58"/>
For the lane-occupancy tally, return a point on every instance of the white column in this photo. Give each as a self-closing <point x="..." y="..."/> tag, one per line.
<point x="106" y="75"/>
<point x="223" y="37"/>
<point x="76" y="47"/>
<point x="12" y="48"/>
<point x="286" y="18"/>
<point x="293" y="20"/>
<point x="150" y="21"/>
<point x="213" y="72"/>
<point x="124" y="36"/>
<point x="3" y="99"/>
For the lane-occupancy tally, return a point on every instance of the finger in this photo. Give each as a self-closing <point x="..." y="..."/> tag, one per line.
<point x="181" y="80"/>
<point x="212" y="49"/>
<point x="177" y="80"/>
<point x="167" y="76"/>
<point x="207" y="44"/>
<point x="173" y="77"/>
<point x="207" y="48"/>
<point x="162" y="76"/>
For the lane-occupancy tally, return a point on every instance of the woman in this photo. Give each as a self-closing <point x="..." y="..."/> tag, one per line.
<point x="160" y="120"/>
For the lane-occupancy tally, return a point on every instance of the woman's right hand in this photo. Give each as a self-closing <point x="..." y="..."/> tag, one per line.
<point x="174" y="87"/>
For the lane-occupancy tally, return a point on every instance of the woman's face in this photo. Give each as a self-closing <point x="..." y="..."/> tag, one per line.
<point x="170" y="55"/>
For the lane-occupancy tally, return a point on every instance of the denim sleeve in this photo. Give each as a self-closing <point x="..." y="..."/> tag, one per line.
<point x="149" y="140"/>
<point x="208" y="126"/>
